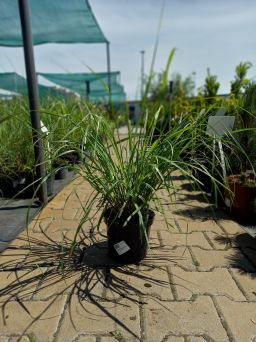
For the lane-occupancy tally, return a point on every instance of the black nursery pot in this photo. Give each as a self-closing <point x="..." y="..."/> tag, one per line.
<point x="127" y="245"/>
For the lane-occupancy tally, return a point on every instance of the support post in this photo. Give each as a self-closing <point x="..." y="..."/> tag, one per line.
<point x="25" y="20"/>
<point x="109" y="79"/>
<point x="87" y="88"/>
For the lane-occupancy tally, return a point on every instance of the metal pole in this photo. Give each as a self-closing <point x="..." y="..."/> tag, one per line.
<point x="142" y="74"/>
<point x="33" y="96"/>
<point x="109" y="79"/>
<point x="87" y="87"/>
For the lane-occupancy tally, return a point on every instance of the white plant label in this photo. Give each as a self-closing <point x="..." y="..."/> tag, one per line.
<point x="227" y="202"/>
<point x="121" y="247"/>
<point x="220" y="125"/>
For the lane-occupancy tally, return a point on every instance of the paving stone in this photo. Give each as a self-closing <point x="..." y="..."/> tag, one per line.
<point x="89" y="283"/>
<point x="86" y="339"/>
<point x="179" y="256"/>
<point x="153" y="282"/>
<point x="247" y="281"/>
<point x="115" y="339"/>
<point x="70" y="194"/>
<point x="196" y="339"/>
<point x="178" y="216"/>
<point x="100" y="318"/>
<point x="194" y="200"/>
<point x="229" y="258"/>
<point x="159" y="224"/>
<point x="177" y="318"/>
<point x="153" y="239"/>
<point x="175" y="339"/>
<point x="221" y="241"/>
<point x="192" y="210"/>
<point x="4" y="339"/>
<point x="67" y="214"/>
<point x="199" y="226"/>
<point x="217" y="282"/>
<point x="183" y="239"/>
<point x="231" y="227"/>
<point x="21" y="339"/>
<point x="63" y="237"/>
<point x="12" y="257"/>
<point x="32" y="318"/>
<point x="72" y="204"/>
<point x="40" y="225"/>
<point x="57" y="204"/>
<point x="240" y="318"/>
<point x="20" y="283"/>
<point x="161" y="217"/>
<point x="61" y="224"/>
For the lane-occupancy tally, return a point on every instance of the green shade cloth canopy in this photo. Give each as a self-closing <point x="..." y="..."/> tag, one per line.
<point x="99" y="91"/>
<point x="15" y="83"/>
<point x="53" y="21"/>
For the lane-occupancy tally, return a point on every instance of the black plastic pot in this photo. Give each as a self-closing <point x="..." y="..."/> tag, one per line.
<point x="61" y="174"/>
<point x="19" y="186"/>
<point x="127" y="245"/>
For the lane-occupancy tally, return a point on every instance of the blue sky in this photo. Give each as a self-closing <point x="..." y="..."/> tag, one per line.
<point x="207" y="33"/>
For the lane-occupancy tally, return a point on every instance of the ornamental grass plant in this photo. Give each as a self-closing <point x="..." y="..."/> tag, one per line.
<point x="127" y="172"/>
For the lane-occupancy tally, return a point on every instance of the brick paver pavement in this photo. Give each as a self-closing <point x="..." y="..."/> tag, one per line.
<point x="198" y="282"/>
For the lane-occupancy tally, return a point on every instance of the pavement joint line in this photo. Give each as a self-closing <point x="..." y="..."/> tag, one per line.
<point x="142" y="320"/>
<point x="167" y="247"/>
<point x="223" y="320"/>
<point x="143" y="301"/>
<point x="187" y="337"/>
<point x="97" y="337"/>
<point x="59" y="323"/>
<point x="238" y="284"/>
<point x="170" y="334"/>
<point x="172" y="248"/>
<point x="206" y="337"/>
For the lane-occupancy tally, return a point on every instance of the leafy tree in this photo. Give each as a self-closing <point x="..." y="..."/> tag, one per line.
<point x="211" y="85"/>
<point x="240" y="81"/>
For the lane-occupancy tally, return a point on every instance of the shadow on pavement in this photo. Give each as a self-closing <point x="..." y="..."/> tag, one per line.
<point x="43" y="269"/>
<point x="244" y="247"/>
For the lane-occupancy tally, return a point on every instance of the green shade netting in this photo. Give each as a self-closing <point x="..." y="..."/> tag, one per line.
<point x="15" y="83"/>
<point x="99" y="91"/>
<point x="53" y="21"/>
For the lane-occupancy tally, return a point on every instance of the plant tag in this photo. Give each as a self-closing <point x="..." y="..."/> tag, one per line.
<point x="121" y="247"/>
<point x="227" y="202"/>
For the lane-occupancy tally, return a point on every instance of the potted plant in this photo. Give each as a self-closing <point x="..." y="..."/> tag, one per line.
<point x="127" y="174"/>
<point x="16" y="150"/>
<point x="241" y="198"/>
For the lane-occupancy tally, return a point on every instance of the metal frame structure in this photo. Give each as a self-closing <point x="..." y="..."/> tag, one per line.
<point x="33" y="96"/>
<point x="25" y="19"/>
